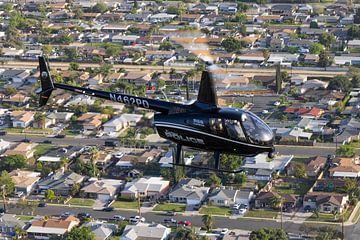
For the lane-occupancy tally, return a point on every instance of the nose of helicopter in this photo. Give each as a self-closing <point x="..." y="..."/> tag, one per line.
<point x="257" y="130"/>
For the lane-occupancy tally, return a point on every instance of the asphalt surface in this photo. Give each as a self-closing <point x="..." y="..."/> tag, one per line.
<point x="219" y="222"/>
<point x="288" y="150"/>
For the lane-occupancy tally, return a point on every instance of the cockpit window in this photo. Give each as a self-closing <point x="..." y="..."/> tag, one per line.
<point x="216" y="125"/>
<point x="256" y="130"/>
<point x="234" y="130"/>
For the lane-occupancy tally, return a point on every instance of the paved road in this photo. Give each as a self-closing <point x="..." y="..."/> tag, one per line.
<point x="266" y="71"/>
<point x="293" y="150"/>
<point x="219" y="222"/>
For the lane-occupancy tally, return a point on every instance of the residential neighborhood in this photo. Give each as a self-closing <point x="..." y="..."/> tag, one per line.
<point x="85" y="167"/>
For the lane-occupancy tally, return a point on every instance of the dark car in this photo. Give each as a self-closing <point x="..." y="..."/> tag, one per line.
<point x="2" y="133"/>
<point x="60" y="136"/>
<point x="42" y="204"/>
<point x="170" y="213"/>
<point x="47" y="142"/>
<point x="108" y="209"/>
<point x="2" y="211"/>
<point x="84" y="215"/>
<point x="26" y="140"/>
<point x="169" y="221"/>
<point x="110" y="143"/>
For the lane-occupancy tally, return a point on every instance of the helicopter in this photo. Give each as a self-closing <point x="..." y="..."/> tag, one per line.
<point x="201" y="125"/>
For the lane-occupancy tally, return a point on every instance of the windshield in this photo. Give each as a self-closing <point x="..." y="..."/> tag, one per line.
<point x="256" y="130"/>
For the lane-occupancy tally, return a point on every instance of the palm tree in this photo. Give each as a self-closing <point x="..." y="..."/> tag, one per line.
<point x="40" y="119"/>
<point x="207" y="221"/>
<point x="183" y="234"/>
<point x="94" y="155"/>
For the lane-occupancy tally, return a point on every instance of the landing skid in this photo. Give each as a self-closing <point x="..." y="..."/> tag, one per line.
<point x="207" y="168"/>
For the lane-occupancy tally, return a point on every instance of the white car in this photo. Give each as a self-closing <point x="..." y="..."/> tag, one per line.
<point x="265" y="111"/>
<point x="277" y="103"/>
<point x="224" y="231"/>
<point x="118" y="218"/>
<point x="236" y="206"/>
<point x="118" y="155"/>
<point x="136" y="219"/>
<point x="242" y="211"/>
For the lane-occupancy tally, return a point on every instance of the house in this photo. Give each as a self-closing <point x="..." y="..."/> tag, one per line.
<point x="149" y="156"/>
<point x="313" y="125"/>
<point x="151" y="187"/>
<point x="329" y="185"/>
<point x="326" y="202"/>
<point x="61" y="183"/>
<point x="15" y="75"/>
<point x="101" y="230"/>
<point x="293" y="135"/>
<point x="161" y="17"/>
<point x="125" y="39"/>
<point x="24" y="181"/>
<point x="345" y="60"/>
<point x="264" y="200"/>
<point x="139" y="78"/>
<point x="166" y="160"/>
<point x="228" y="8"/>
<point x="21" y="119"/>
<point x="102" y="189"/>
<point x="313" y="167"/>
<point x="11" y="53"/>
<point x="53" y="227"/>
<point x="17" y="99"/>
<point x="145" y="231"/>
<point x="229" y="197"/>
<point x="96" y="79"/>
<point x="60" y="117"/>
<point x="282" y="58"/>
<point x="189" y="191"/>
<point x="132" y="119"/>
<point x="8" y="225"/>
<point x="313" y="84"/>
<point x="56" y="155"/>
<point x="24" y="149"/>
<point x="311" y="59"/>
<point x="91" y="121"/>
<point x="345" y="167"/>
<point x="312" y="112"/>
<point x="251" y="57"/>
<point x="80" y="100"/>
<point x="115" y="125"/>
<point x="283" y="10"/>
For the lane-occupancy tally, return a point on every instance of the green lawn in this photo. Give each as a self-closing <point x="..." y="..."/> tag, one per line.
<point x="300" y="159"/>
<point x="215" y="210"/>
<point x="13" y="130"/>
<point x="328" y="217"/>
<point x="261" y="214"/>
<point x="125" y="204"/>
<point x="170" y="207"/>
<point x="295" y="188"/>
<point x="24" y="217"/>
<point x="40" y="149"/>
<point x="81" y="202"/>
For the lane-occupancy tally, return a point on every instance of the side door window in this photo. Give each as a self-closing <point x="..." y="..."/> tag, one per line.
<point x="216" y="125"/>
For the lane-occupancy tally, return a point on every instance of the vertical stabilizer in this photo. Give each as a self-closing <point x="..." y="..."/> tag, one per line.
<point x="207" y="91"/>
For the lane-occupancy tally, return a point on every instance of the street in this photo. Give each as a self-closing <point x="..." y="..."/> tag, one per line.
<point x="219" y="222"/>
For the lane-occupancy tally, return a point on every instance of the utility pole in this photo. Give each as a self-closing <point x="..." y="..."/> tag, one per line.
<point x="342" y="227"/>
<point x="139" y="205"/>
<point x="4" y="197"/>
<point x="281" y="213"/>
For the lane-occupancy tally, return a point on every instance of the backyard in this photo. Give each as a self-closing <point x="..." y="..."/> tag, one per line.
<point x="293" y="186"/>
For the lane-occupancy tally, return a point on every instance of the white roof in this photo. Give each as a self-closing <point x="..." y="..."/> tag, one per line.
<point x="49" y="159"/>
<point x="341" y="60"/>
<point x="47" y="230"/>
<point x="261" y="161"/>
<point x="115" y="122"/>
<point x="346" y="174"/>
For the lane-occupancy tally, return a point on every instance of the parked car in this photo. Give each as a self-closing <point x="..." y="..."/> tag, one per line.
<point x="170" y="213"/>
<point x="66" y="214"/>
<point x="26" y="140"/>
<point x="184" y="223"/>
<point x="84" y="215"/>
<point x="169" y="221"/>
<point x="47" y="142"/>
<point x="111" y="143"/>
<point x="60" y="136"/>
<point x="242" y="211"/>
<point x="224" y="231"/>
<point x="108" y="209"/>
<point x="236" y="206"/>
<point x="42" y="204"/>
<point x="118" y="218"/>
<point x="277" y="103"/>
<point x="136" y="219"/>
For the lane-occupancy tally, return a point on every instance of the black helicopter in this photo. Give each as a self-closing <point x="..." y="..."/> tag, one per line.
<point x="201" y="125"/>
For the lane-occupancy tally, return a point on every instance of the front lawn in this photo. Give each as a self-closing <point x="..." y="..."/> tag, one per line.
<point x="81" y="202"/>
<point x="356" y="216"/>
<point x="40" y="149"/>
<point x="206" y="210"/>
<point x="261" y="214"/>
<point x="170" y="207"/>
<point x="328" y="217"/>
<point x="125" y="204"/>
<point x="24" y="218"/>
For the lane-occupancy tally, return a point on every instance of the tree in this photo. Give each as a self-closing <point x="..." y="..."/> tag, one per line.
<point x="354" y="31"/>
<point x="49" y="195"/>
<point x="232" y="162"/>
<point x="346" y="151"/>
<point x="6" y="180"/>
<point x="314" y="24"/>
<point x="299" y="170"/>
<point x="182" y="233"/>
<point x="99" y="7"/>
<point x="328" y="233"/>
<point x="268" y="234"/>
<point x="74" y="66"/>
<point x="65" y="39"/>
<point x="325" y="60"/>
<point x="207" y="221"/>
<point x="113" y="50"/>
<point x="161" y="83"/>
<point x="316" y="48"/>
<point x="47" y="49"/>
<point x="10" y="90"/>
<point x="40" y="118"/>
<point x="94" y="155"/>
<point x="327" y="39"/>
<point x="232" y="44"/>
<point x="213" y="181"/>
<point x="292" y="50"/>
<point x="166" y="45"/>
<point x="275" y="202"/>
<point x="240" y="178"/>
<point x="13" y="162"/>
<point x="83" y="233"/>
<point x="71" y="53"/>
<point x="339" y="83"/>
<point x="75" y="189"/>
